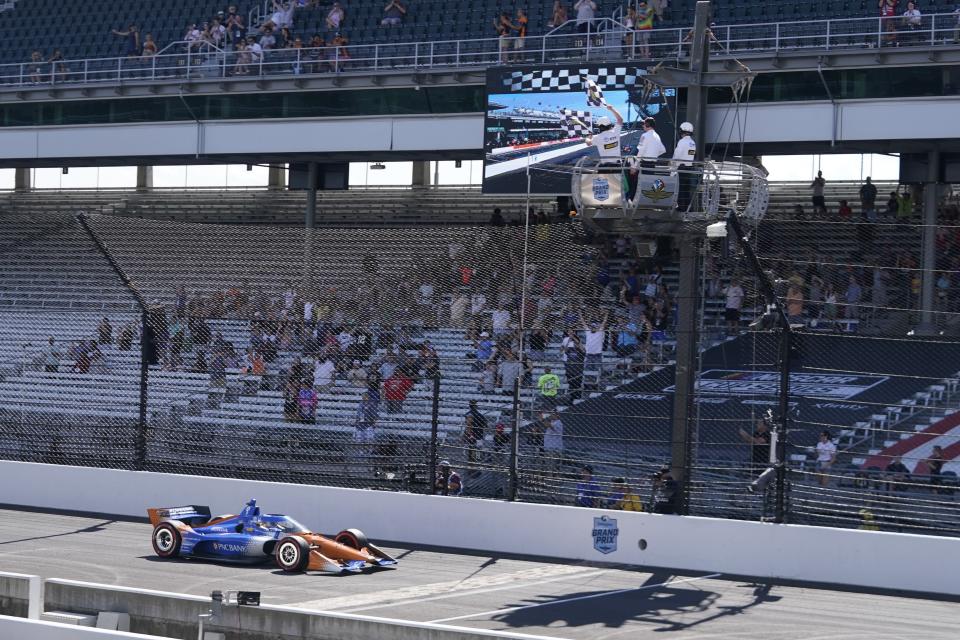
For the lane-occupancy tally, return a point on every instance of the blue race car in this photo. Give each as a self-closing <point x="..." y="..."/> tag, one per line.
<point x="252" y="537"/>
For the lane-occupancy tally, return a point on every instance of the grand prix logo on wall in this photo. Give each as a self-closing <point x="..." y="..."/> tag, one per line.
<point x="605" y="534"/>
<point x="767" y="383"/>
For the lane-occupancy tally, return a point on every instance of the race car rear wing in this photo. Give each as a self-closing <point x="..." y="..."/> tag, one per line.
<point x="191" y="514"/>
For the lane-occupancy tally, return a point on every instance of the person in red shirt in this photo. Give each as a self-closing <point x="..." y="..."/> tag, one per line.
<point x="844" y="211"/>
<point x="888" y="15"/>
<point x="395" y="390"/>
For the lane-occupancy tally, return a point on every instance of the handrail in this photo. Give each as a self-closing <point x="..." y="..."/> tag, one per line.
<point x="664" y="44"/>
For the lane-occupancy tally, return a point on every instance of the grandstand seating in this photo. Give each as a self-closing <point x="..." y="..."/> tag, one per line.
<point x="82" y="30"/>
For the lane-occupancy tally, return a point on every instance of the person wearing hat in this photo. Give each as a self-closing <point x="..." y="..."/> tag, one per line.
<point x="622" y="497"/>
<point x="448" y="482"/>
<point x="684" y="156"/>
<point x="607" y="138"/>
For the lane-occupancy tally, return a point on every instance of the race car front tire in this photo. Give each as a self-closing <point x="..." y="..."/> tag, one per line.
<point x="166" y="540"/>
<point x="293" y="554"/>
<point x="353" y="538"/>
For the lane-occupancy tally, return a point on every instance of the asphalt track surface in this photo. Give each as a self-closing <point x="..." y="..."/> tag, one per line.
<point x="481" y="591"/>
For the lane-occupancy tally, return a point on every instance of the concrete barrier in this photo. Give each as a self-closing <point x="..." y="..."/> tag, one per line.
<point x="787" y="552"/>
<point x="23" y="629"/>
<point x="176" y="615"/>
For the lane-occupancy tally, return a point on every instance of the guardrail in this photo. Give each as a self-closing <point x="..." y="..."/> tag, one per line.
<point x="595" y="45"/>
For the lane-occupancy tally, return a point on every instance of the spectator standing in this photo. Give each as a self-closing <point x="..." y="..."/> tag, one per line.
<point x="888" y="18"/>
<point x="868" y="198"/>
<point x="826" y="456"/>
<point x="395" y="390"/>
<point x="629" y="35"/>
<point x="448" y="481"/>
<point x="571" y="354"/>
<point x="324" y="374"/>
<point x="734" y="303"/>
<point x="586" y="12"/>
<point x="520" y="26"/>
<point x="644" y="25"/>
<point x="50" y="354"/>
<point x="393" y="13"/>
<point x="666" y="490"/>
<point x="149" y="46"/>
<point x="307" y="403"/>
<point x="759" y="442"/>
<point x="844" y="210"/>
<point x="131" y="45"/>
<point x="484" y="352"/>
<point x="588" y="493"/>
<point x="335" y="18"/>
<point x="594" y="334"/>
<point x="548" y="385"/>
<point x="105" y="331"/>
<point x="913" y="21"/>
<point x="934" y="465"/>
<point x="819" y="203"/>
<point x="853" y="296"/>
<point x="897" y="473"/>
<point x="553" y="441"/>
<point x="559" y="14"/>
<point x="367" y="414"/>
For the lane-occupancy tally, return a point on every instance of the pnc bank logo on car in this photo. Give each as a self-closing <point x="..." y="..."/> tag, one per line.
<point x="229" y="548"/>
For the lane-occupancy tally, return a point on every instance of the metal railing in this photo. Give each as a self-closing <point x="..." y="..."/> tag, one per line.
<point x="188" y="62"/>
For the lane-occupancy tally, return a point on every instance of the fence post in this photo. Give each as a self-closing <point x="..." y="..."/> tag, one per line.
<point x="434" y="434"/>
<point x="780" y="513"/>
<point x="776" y="37"/>
<point x="515" y="443"/>
<point x="828" y="36"/>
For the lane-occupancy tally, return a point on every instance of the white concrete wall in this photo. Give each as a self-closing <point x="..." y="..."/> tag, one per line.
<point x="307" y="135"/>
<point x="791" y="552"/>
<point x="23" y="629"/>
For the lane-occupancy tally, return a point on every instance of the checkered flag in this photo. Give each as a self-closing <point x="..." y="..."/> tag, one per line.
<point x="594" y="93"/>
<point x="574" y="123"/>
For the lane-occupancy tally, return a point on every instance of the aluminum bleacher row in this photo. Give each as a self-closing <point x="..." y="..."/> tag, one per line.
<point x="82" y="29"/>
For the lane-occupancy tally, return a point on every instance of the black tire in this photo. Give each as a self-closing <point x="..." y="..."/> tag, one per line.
<point x="353" y="538"/>
<point x="292" y="554"/>
<point x="166" y="540"/>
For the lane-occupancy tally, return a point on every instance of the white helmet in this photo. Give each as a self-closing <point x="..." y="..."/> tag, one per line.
<point x="686" y="127"/>
<point x="603" y="121"/>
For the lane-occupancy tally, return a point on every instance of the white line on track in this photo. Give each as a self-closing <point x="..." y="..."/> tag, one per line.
<point x="669" y="583"/>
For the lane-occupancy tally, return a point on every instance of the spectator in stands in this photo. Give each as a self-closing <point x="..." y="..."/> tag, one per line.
<point x="553" y="441"/>
<point x="291" y="395"/>
<point x="218" y="32"/>
<point x="826" y="456"/>
<point x="496" y="220"/>
<point x="666" y="491"/>
<point x="484" y="351"/>
<point x="897" y="473"/>
<point x="488" y="378"/>
<point x="268" y="40"/>
<point x="588" y="492"/>
<point x="622" y="497"/>
<point x="283" y="13"/>
<point x="105" y="331"/>
<point x="644" y="25"/>
<point x="934" y="465"/>
<point x="660" y="8"/>
<point x="339" y="53"/>
<point x="36" y="68"/>
<point x="868" y="198"/>
<point x="586" y="12"/>
<point x="254" y="50"/>
<point x="794" y="302"/>
<point x="50" y="354"/>
<point x="548" y="386"/>
<point x="630" y="24"/>
<point x="324" y="374"/>
<point x="888" y="13"/>
<point x="819" y="203"/>
<point x="520" y="26"/>
<point x="316" y="55"/>
<point x="471" y="437"/>
<point x="82" y="360"/>
<point x="893" y="204"/>
<point x="58" y="68"/>
<point x="503" y="28"/>
<point x="904" y="205"/>
<point x="335" y="18"/>
<point x="458" y="310"/>
<point x="393" y="13"/>
<point x="844" y="210"/>
<point x="538" y="344"/>
<point x="357" y="374"/>
<point x="368" y="412"/>
<point x="395" y="390"/>
<point x="192" y="36"/>
<point x="759" y="442"/>
<point x="734" y="304"/>
<point x="149" y="46"/>
<point x="448" y="481"/>
<point x="571" y="354"/>
<point x="913" y="22"/>
<point x="558" y="15"/>
<point x="509" y="371"/>
<point x="594" y="336"/>
<point x="236" y="28"/>
<point x="131" y="46"/>
<point x="307" y="403"/>
<point x="852" y="298"/>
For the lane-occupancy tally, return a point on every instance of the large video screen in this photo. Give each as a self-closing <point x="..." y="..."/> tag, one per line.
<point x="541" y="116"/>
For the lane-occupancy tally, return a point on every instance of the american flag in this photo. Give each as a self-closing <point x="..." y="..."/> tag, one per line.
<point x="594" y="93"/>
<point x="575" y="123"/>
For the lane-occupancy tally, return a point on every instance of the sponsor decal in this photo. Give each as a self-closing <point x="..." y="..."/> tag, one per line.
<point x="605" y="534"/>
<point x="837" y="405"/>
<point x="657" y="191"/>
<point x="731" y="382"/>
<point x="639" y="396"/>
<point x="226" y="547"/>
<point x="601" y="189"/>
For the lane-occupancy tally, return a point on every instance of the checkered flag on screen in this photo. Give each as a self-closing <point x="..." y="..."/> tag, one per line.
<point x="574" y="123"/>
<point x="594" y="93"/>
<point x="570" y="79"/>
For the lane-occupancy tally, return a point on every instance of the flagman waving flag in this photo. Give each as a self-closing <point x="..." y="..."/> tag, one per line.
<point x="594" y="93"/>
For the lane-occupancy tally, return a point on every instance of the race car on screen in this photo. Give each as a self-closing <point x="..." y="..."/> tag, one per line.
<point x="252" y="537"/>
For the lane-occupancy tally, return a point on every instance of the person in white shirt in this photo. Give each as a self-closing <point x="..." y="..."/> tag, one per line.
<point x="594" y="334"/>
<point x="323" y="374"/>
<point x="500" y="318"/>
<point x="650" y="147"/>
<point x="586" y="11"/>
<point x="553" y="441"/>
<point x="607" y="139"/>
<point x="684" y="156"/>
<point x="826" y="455"/>
<point x="735" y="295"/>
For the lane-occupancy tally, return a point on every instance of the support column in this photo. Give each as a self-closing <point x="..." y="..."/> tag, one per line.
<point x="699" y="63"/>
<point x="276" y="178"/>
<point x="421" y="173"/>
<point x="687" y="341"/>
<point x="313" y="174"/>
<point x="22" y="179"/>
<point x="144" y="178"/>
<point x="928" y="325"/>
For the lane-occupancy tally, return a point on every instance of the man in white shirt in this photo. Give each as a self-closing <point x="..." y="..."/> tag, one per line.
<point x="735" y="295"/>
<point x="553" y="441"/>
<point x="684" y="156"/>
<point x="500" y="319"/>
<point x="594" y="334"/>
<point x="650" y="147"/>
<point x="323" y="374"/>
<point x="586" y="11"/>
<point x="607" y="139"/>
<point x="826" y="455"/>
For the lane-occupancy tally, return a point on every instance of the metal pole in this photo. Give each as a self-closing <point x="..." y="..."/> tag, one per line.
<point x="780" y="513"/>
<point x="140" y="446"/>
<point x="686" y="368"/>
<point x="313" y="174"/>
<point x="699" y="63"/>
<point x="515" y="443"/>
<point x="928" y="276"/>
<point x="434" y="433"/>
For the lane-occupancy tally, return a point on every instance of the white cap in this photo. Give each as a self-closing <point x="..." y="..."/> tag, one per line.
<point x="687" y="127"/>
<point x="603" y="121"/>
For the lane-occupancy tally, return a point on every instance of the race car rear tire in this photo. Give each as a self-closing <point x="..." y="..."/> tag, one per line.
<point x="166" y="540"/>
<point x="293" y="554"/>
<point x="353" y="538"/>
